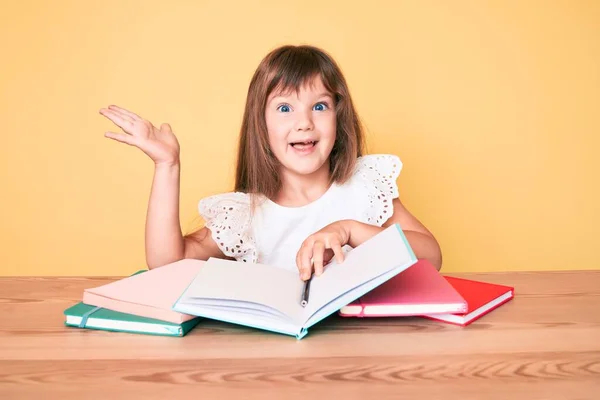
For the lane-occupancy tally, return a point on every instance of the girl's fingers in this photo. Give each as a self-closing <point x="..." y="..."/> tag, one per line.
<point x="299" y="261"/>
<point x="130" y="114"/>
<point x="304" y="262"/>
<point x="339" y="253"/>
<point x="122" y="115"/>
<point x="307" y="267"/>
<point x="119" y="137"/>
<point x="327" y="256"/>
<point x="117" y="119"/>
<point x="166" y="128"/>
<point x="318" y="250"/>
<point x="334" y="244"/>
<point x="315" y="252"/>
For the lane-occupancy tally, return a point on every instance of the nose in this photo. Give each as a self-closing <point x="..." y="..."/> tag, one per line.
<point x="304" y="121"/>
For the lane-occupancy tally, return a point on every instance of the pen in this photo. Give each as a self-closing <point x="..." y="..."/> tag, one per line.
<point x="306" y="292"/>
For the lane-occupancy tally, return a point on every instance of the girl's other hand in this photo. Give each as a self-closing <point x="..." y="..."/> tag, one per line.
<point x="160" y="145"/>
<point x="321" y="247"/>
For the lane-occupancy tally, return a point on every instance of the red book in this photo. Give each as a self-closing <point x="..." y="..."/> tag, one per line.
<point x="481" y="297"/>
<point x="418" y="290"/>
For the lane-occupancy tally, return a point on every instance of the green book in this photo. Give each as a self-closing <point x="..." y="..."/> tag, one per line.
<point x="108" y="320"/>
<point x="91" y="317"/>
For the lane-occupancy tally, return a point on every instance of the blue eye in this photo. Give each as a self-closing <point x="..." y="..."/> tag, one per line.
<point x="320" y="107"/>
<point x="284" y="108"/>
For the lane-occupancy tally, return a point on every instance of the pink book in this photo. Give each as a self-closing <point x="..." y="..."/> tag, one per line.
<point x="418" y="290"/>
<point x="150" y="294"/>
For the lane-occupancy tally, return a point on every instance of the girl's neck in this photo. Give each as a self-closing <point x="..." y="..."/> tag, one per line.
<point x="299" y="190"/>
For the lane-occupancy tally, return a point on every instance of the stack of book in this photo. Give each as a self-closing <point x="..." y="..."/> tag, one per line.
<point x="371" y="282"/>
<point x="423" y="291"/>
<point x="140" y="303"/>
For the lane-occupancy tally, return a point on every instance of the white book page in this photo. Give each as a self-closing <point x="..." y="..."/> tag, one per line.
<point x="271" y="286"/>
<point x="382" y="253"/>
<point x="251" y="318"/>
<point x="235" y="305"/>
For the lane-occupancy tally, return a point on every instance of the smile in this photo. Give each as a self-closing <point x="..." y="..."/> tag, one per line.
<point x="304" y="147"/>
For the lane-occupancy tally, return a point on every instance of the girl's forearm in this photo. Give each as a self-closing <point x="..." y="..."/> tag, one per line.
<point x="424" y="246"/>
<point x="164" y="239"/>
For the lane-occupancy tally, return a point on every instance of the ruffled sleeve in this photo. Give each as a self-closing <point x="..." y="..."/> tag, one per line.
<point x="228" y="216"/>
<point x="375" y="177"/>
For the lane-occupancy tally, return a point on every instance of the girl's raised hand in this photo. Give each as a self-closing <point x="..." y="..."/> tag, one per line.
<point x="160" y="145"/>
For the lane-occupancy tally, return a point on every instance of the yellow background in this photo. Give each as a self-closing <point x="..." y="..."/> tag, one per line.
<point x="492" y="106"/>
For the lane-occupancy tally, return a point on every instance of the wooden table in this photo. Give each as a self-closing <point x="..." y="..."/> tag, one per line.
<point x="544" y="344"/>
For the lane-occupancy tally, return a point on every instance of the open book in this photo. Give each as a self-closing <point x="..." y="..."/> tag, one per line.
<point x="268" y="297"/>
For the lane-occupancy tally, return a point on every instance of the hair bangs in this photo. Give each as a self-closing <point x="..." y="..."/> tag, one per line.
<point x="297" y="68"/>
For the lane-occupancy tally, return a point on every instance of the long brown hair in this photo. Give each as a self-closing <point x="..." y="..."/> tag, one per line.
<point x="289" y="68"/>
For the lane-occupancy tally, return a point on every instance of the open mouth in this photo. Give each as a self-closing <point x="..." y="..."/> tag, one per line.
<point x="304" y="145"/>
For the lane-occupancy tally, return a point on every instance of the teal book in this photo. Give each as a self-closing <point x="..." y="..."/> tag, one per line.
<point x="90" y="317"/>
<point x="270" y="297"/>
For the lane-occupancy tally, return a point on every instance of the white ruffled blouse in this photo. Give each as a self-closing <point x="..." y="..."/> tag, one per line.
<point x="273" y="234"/>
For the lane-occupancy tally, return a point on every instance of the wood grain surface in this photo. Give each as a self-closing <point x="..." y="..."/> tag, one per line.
<point x="544" y="344"/>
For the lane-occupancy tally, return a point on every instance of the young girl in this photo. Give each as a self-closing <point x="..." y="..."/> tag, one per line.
<point x="304" y="191"/>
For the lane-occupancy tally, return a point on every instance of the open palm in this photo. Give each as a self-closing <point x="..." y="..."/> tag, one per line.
<point x="160" y="144"/>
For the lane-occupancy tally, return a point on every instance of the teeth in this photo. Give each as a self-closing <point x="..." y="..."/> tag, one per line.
<point x="303" y="143"/>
